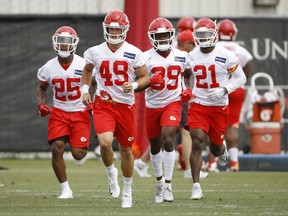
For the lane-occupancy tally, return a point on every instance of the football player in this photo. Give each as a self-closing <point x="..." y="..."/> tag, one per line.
<point x="69" y="121"/>
<point x="211" y="66"/>
<point x="164" y="102"/>
<point x="117" y="63"/>
<point x="227" y="35"/>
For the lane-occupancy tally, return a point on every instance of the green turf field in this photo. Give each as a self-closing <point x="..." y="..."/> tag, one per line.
<point x="29" y="187"/>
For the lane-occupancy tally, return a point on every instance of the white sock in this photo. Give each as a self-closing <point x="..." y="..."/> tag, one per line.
<point x="160" y="182"/>
<point x="127" y="186"/>
<point x="233" y="154"/>
<point x="169" y="161"/>
<point x="65" y="186"/>
<point x="110" y="170"/>
<point x="157" y="163"/>
<point x="168" y="185"/>
<point x="142" y="163"/>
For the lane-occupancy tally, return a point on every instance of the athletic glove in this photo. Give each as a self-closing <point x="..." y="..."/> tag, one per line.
<point x="43" y="110"/>
<point x="217" y="93"/>
<point x="157" y="82"/>
<point x="186" y="95"/>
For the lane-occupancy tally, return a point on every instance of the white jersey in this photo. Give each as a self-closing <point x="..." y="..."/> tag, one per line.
<point x="241" y="52"/>
<point x="211" y="70"/>
<point x="66" y="84"/>
<point x="113" y="69"/>
<point x="171" y="69"/>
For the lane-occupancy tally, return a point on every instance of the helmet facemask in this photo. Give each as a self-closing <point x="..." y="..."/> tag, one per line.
<point x="115" y="20"/>
<point x="159" y="43"/>
<point x="206" y="33"/>
<point x="115" y="38"/>
<point x="205" y="37"/>
<point x="64" y="40"/>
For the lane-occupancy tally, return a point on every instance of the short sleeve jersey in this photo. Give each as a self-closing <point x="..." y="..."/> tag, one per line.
<point x="113" y="68"/>
<point x="171" y="69"/>
<point x="66" y="84"/>
<point x="211" y="70"/>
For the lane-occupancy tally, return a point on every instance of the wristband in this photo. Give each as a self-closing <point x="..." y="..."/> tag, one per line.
<point x="85" y="89"/>
<point x="134" y="85"/>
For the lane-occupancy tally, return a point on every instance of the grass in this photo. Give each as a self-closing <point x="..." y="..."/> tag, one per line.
<point x="29" y="187"/>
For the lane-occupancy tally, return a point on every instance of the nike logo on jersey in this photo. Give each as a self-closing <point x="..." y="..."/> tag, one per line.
<point x="129" y="55"/>
<point x="78" y="72"/>
<point x="179" y="59"/>
<point x="220" y="59"/>
<point x="223" y="108"/>
<point x="172" y="118"/>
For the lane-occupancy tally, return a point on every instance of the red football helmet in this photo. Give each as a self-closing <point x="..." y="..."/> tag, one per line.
<point x="158" y="27"/>
<point x="227" y="30"/>
<point x="119" y="20"/>
<point x="186" y="35"/>
<point x="186" y="23"/>
<point x="206" y="33"/>
<point x="65" y="35"/>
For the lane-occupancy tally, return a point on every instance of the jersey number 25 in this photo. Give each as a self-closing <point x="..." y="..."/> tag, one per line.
<point x="73" y="91"/>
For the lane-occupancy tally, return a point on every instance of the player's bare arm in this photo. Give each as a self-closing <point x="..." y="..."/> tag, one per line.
<point x="143" y="77"/>
<point x="86" y="82"/>
<point x="141" y="83"/>
<point x="41" y="91"/>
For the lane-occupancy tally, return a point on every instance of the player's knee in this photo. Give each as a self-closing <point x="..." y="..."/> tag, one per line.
<point x="79" y="154"/>
<point x="216" y="150"/>
<point x="155" y="149"/>
<point x="197" y="144"/>
<point x="106" y="147"/>
<point x="57" y="147"/>
<point x="126" y="153"/>
<point x="168" y="145"/>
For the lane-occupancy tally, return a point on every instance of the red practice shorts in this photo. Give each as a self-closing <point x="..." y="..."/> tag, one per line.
<point x="118" y="118"/>
<point x="236" y="100"/>
<point x="169" y="115"/>
<point x="76" y="125"/>
<point x="211" y="119"/>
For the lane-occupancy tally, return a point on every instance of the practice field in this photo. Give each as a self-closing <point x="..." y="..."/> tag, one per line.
<point x="29" y="187"/>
